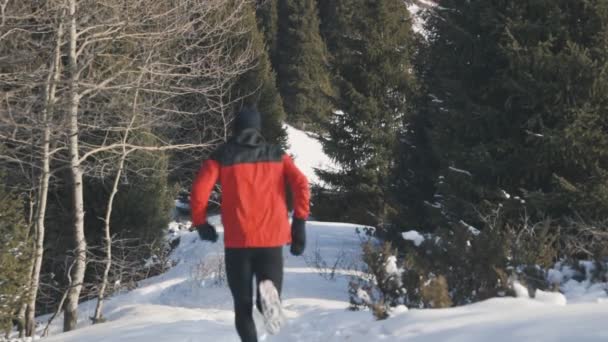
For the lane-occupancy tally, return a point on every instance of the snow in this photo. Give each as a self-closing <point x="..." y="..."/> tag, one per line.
<point x="457" y="170"/>
<point x="417" y="9"/>
<point x="520" y="290"/>
<point x="418" y="25"/>
<point x="391" y="266"/>
<point x="554" y="277"/>
<point x="577" y="286"/>
<point x="308" y="153"/>
<point x="434" y="205"/>
<point x="413" y="236"/>
<point x="584" y="291"/>
<point x="471" y="229"/>
<point x="505" y="194"/>
<point x="554" y="298"/>
<point x="178" y="307"/>
<point x="538" y="135"/>
<point x="364" y="296"/>
<point x="181" y="205"/>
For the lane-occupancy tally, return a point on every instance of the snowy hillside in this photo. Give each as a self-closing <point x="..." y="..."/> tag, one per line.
<point x="308" y="153"/>
<point x="186" y="304"/>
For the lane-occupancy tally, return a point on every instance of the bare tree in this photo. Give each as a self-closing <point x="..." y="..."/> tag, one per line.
<point x="174" y="63"/>
<point x="203" y="66"/>
<point x="30" y="86"/>
<point x="74" y="97"/>
<point x="98" y="317"/>
<point x="47" y="114"/>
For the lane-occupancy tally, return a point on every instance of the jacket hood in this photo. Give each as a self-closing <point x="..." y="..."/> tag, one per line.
<point x="247" y="118"/>
<point x="249" y="137"/>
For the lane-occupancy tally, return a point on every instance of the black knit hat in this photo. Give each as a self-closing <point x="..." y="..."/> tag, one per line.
<point x="247" y="118"/>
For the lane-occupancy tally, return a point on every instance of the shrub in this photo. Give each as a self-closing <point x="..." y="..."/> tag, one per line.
<point x="380" y="286"/>
<point x="210" y="271"/>
<point x="329" y="270"/>
<point x="458" y="264"/>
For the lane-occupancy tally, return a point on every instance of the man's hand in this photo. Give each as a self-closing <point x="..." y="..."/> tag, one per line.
<point x="298" y="236"/>
<point x="207" y="232"/>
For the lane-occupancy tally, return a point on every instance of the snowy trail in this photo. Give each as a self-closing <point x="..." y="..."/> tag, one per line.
<point x="175" y="307"/>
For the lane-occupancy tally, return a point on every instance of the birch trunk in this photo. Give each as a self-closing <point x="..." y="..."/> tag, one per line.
<point x="97" y="318"/>
<point x="71" y="308"/>
<point x="50" y="89"/>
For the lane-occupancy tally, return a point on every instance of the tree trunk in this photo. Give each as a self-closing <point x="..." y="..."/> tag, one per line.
<point x="30" y="222"/>
<point x="21" y="320"/>
<point x="50" y="100"/>
<point x="71" y="308"/>
<point x="97" y="318"/>
<point x="108" y="237"/>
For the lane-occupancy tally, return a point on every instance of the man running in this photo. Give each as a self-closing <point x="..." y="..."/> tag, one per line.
<point x="253" y="175"/>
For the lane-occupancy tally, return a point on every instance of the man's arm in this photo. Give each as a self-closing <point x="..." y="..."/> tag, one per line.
<point x="201" y="190"/>
<point x="299" y="187"/>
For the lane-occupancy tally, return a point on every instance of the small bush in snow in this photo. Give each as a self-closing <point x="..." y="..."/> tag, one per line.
<point x="381" y="286"/>
<point x="328" y="270"/>
<point x="210" y="271"/>
<point x="434" y="292"/>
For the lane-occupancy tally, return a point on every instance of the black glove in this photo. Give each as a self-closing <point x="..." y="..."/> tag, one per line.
<point x="207" y="232"/>
<point x="298" y="236"/>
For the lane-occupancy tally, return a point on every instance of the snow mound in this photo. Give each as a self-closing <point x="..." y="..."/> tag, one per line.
<point x="413" y="236"/>
<point x="520" y="290"/>
<point x="555" y="298"/>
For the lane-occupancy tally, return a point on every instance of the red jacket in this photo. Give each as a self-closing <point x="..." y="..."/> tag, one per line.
<point x="252" y="175"/>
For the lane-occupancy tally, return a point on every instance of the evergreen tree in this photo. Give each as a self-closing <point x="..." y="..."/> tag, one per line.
<point x="268" y="22"/>
<point x="142" y="205"/>
<point x="257" y="87"/>
<point x="519" y="104"/>
<point x="15" y="253"/>
<point x="302" y="65"/>
<point x="416" y="173"/>
<point x="370" y="43"/>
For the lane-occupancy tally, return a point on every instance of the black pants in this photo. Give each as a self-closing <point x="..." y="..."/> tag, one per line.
<point x="242" y="264"/>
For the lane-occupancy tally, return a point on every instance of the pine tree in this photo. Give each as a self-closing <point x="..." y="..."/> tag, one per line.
<point x="257" y="87"/>
<point x="519" y="105"/>
<point x="370" y="43"/>
<point x="15" y="253"/>
<point x="416" y="172"/>
<point x="268" y="22"/>
<point x="302" y="64"/>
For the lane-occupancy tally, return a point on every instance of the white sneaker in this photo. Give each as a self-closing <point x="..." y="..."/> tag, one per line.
<point x="271" y="307"/>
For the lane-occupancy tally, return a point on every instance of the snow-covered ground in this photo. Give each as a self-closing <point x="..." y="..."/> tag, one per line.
<point x="186" y="304"/>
